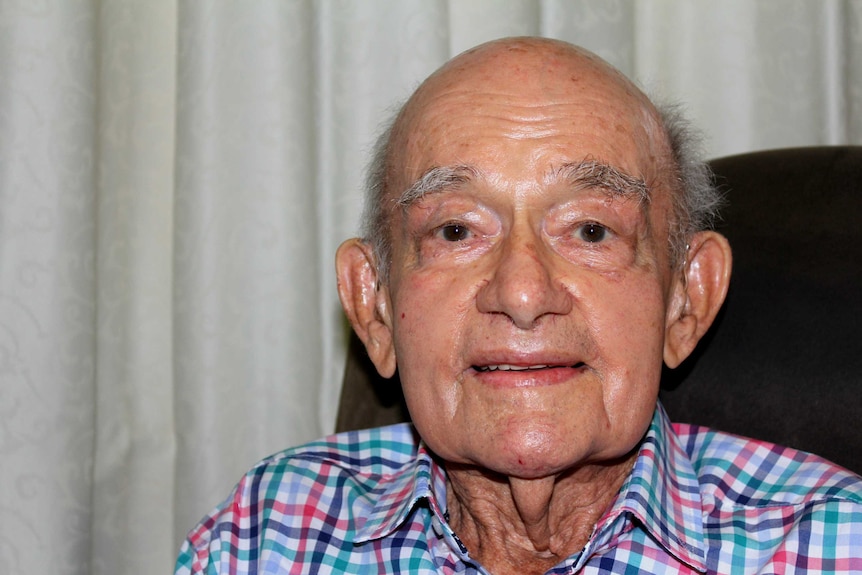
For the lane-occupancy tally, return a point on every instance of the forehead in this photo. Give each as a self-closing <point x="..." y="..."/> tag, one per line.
<point x="522" y="110"/>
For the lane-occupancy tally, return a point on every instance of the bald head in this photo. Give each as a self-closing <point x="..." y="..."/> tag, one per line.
<point x="534" y="69"/>
<point x="527" y="88"/>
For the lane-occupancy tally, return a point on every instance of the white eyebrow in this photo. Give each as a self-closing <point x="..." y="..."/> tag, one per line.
<point x="436" y="180"/>
<point x="579" y="175"/>
<point x="595" y="174"/>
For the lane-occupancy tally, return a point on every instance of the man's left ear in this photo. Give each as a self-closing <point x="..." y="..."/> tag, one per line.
<point x="699" y="292"/>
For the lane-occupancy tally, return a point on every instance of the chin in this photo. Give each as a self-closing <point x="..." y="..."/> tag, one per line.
<point x="535" y="455"/>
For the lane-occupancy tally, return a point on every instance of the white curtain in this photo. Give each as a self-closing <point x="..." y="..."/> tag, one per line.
<point x="175" y="177"/>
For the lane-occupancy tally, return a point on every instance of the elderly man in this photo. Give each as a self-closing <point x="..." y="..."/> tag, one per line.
<point x="537" y="247"/>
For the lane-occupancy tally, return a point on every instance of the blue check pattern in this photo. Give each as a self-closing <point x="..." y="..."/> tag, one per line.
<point x="696" y="501"/>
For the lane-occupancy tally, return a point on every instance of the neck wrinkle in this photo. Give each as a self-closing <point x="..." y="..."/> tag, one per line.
<point x="530" y="525"/>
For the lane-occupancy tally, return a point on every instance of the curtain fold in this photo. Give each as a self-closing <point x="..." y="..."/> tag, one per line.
<point x="175" y="177"/>
<point x="134" y="164"/>
<point x="247" y="338"/>
<point x="48" y="236"/>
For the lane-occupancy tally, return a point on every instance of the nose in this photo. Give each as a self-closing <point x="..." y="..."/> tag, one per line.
<point x="522" y="284"/>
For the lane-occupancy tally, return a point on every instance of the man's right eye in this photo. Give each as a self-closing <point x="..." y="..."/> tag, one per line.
<point x="454" y="232"/>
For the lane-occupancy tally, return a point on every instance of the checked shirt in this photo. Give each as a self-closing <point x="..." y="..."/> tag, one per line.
<point x="696" y="501"/>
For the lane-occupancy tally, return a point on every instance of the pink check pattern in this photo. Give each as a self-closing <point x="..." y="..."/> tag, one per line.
<point x="697" y="501"/>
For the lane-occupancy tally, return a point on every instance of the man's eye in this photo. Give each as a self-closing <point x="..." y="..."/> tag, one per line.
<point x="592" y="233"/>
<point x="454" y="232"/>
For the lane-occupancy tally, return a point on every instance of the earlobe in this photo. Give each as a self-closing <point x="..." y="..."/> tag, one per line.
<point x="366" y="303"/>
<point x="698" y="295"/>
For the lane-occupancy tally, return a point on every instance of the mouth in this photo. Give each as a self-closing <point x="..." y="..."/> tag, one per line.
<point x="527" y="375"/>
<point x="510" y="367"/>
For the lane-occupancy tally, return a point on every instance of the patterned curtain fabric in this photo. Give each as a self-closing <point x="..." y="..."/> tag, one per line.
<point x="175" y="177"/>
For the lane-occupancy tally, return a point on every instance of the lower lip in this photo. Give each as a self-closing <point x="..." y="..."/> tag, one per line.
<point x="528" y="378"/>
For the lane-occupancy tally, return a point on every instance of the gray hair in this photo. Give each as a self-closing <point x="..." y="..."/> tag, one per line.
<point x="695" y="199"/>
<point x="376" y="221"/>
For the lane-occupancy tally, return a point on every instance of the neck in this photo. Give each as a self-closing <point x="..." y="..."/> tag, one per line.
<point x="514" y="525"/>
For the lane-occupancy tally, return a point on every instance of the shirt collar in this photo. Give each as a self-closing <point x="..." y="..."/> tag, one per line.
<point x="662" y="493"/>
<point x="421" y="480"/>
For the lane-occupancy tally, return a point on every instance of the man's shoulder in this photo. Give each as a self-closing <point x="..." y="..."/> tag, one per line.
<point x="375" y="452"/>
<point x="323" y="491"/>
<point x="743" y="472"/>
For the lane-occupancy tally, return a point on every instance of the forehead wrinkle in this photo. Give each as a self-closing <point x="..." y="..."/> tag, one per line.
<point x="435" y="180"/>
<point x="595" y="174"/>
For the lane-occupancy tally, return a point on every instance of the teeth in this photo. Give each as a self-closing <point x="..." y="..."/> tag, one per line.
<point x="507" y="367"/>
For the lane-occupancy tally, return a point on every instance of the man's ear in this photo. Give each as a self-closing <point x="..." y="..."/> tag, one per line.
<point x="366" y="302"/>
<point x="699" y="292"/>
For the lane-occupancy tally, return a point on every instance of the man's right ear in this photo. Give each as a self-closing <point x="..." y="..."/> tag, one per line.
<point x="366" y="302"/>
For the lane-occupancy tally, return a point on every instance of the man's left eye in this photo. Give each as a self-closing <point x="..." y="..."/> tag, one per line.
<point x="454" y="232"/>
<point x="592" y="232"/>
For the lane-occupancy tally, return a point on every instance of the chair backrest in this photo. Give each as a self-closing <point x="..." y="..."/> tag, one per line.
<point x="783" y="361"/>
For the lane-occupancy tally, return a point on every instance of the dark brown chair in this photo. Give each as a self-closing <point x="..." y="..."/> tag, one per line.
<point x="783" y="361"/>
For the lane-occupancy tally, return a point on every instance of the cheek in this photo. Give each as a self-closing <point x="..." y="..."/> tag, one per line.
<point x="631" y="336"/>
<point x="413" y="298"/>
<point x="640" y="329"/>
<point x="429" y="311"/>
